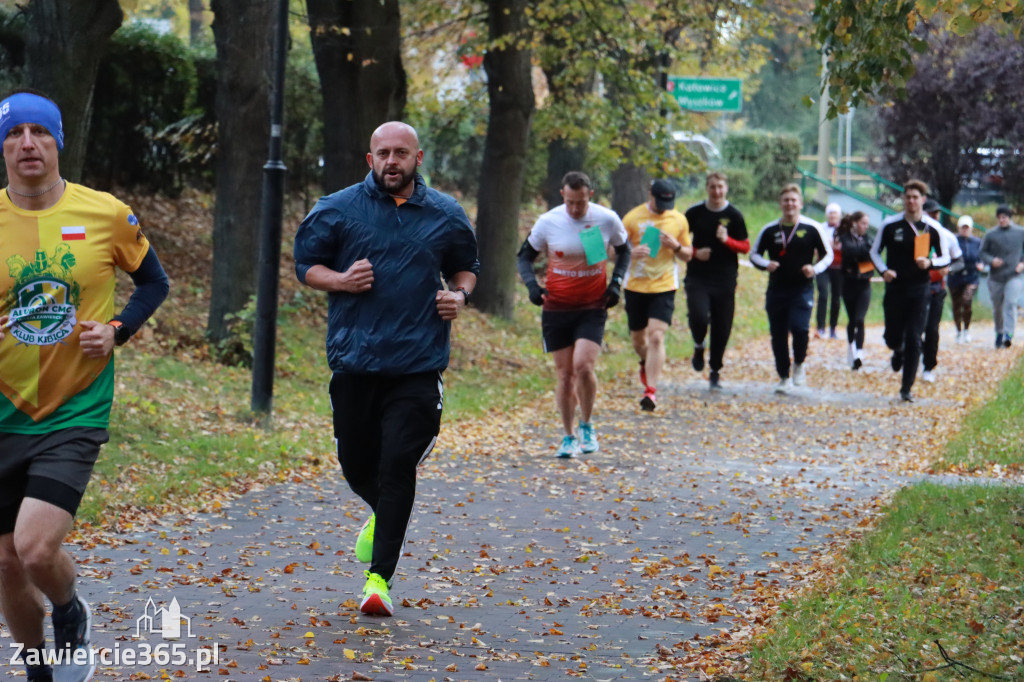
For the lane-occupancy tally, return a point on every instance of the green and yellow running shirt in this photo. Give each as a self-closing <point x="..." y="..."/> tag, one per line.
<point x="60" y="269"/>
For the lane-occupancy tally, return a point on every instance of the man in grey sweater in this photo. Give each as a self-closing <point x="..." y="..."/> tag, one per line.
<point x="1003" y="250"/>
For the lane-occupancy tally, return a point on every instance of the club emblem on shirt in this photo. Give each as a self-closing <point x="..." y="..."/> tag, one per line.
<point x="42" y="305"/>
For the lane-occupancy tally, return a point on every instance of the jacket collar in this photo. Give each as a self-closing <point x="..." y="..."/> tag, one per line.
<point x="419" y="193"/>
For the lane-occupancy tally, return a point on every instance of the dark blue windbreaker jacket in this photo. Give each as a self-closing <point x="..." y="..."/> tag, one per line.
<point x="393" y="328"/>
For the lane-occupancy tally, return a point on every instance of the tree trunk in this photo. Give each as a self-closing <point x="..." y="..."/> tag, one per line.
<point x="243" y="34"/>
<point x="510" y="92"/>
<point x="563" y="156"/>
<point x="631" y="182"/>
<point x="63" y="47"/>
<point x="945" y="194"/>
<point x="630" y="188"/>
<point x="357" y="47"/>
<point x="195" y="22"/>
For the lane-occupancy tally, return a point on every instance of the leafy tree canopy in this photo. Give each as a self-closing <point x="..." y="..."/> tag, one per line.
<point x="871" y="44"/>
<point x="963" y="97"/>
<point x="601" y="64"/>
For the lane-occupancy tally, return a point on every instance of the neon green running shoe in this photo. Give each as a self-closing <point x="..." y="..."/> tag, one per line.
<point x="376" y="600"/>
<point x="364" y="543"/>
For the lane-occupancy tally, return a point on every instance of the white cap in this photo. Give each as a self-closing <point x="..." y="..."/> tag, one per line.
<point x="965" y="220"/>
<point x="833" y="208"/>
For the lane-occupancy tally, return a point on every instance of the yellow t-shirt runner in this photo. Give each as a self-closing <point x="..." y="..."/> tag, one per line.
<point x="660" y="273"/>
<point x="60" y="268"/>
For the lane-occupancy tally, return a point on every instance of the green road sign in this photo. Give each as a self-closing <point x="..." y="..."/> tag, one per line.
<point x="706" y="94"/>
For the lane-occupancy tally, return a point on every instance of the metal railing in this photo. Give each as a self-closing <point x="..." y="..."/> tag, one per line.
<point x="873" y="203"/>
<point x="873" y="176"/>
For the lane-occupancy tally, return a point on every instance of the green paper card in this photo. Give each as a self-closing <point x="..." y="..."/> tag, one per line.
<point x="652" y="237"/>
<point x="593" y="245"/>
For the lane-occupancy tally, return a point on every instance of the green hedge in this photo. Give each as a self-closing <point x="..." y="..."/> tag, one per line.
<point x="771" y="160"/>
<point x="153" y="120"/>
<point x="12" y="48"/>
<point x="742" y="185"/>
<point x="145" y="84"/>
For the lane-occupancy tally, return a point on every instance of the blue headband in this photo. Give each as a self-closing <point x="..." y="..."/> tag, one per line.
<point x="24" y="107"/>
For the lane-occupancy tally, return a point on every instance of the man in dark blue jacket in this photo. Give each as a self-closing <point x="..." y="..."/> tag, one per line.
<point x="379" y="248"/>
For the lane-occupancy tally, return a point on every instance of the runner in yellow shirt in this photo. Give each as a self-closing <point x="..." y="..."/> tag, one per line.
<point x="660" y="238"/>
<point x="62" y="244"/>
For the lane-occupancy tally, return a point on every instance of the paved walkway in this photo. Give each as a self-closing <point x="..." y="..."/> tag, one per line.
<point x="655" y="557"/>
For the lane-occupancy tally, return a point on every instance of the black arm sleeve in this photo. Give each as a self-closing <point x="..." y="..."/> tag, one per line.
<point x="524" y="263"/>
<point x="151" y="287"/>
<point x="622" y="252"/>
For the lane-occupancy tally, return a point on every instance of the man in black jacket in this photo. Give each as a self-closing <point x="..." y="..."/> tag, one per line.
<point x="787" y="248"/>
<point x="912" y="246"/>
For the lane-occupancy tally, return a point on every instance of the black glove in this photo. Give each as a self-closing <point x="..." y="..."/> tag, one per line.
<point x="612" y="294"/>
<point x="536" y="293"/>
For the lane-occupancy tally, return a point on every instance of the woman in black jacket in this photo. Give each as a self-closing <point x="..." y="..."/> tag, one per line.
<point x="857" y="270"/>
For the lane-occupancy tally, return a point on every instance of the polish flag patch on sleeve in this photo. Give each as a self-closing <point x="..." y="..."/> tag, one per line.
<point x="73" y="232"/>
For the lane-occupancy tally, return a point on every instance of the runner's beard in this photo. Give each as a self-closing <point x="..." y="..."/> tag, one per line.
<point x="404" y="180"/>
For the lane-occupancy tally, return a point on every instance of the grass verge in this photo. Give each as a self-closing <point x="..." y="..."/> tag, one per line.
<point x="935" y="592"/>
<point x="993" y="434"/>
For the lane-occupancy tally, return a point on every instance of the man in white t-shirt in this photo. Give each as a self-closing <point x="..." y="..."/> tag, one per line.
<point x="575" y="297"/>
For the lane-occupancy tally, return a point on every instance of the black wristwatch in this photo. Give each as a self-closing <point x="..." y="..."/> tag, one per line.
<point x="465" y="293"/>
<point x="121" y="332"/>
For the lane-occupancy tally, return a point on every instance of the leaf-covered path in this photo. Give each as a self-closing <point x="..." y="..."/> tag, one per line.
<point x="653" y="558"/>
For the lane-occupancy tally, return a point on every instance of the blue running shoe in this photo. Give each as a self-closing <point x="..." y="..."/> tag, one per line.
<point x="588" y="439"/>
<point x="570" y="447"/>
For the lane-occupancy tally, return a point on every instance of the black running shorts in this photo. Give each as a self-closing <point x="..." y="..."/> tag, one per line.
<point x="641" y="307"/>
<point x="53" y="467"/>
<point x="563" y="328"/>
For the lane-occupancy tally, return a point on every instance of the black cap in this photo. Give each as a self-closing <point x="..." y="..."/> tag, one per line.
<point x="930" y="205"/>
<point x="1004" y="210"/>
<point x="664" y="193"/>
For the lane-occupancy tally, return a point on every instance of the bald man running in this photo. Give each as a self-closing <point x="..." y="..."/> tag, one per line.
<point x="379" y="249"/>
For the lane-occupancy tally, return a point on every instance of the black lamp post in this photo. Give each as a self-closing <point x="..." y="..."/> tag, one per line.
<point x="272" y="209"/>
